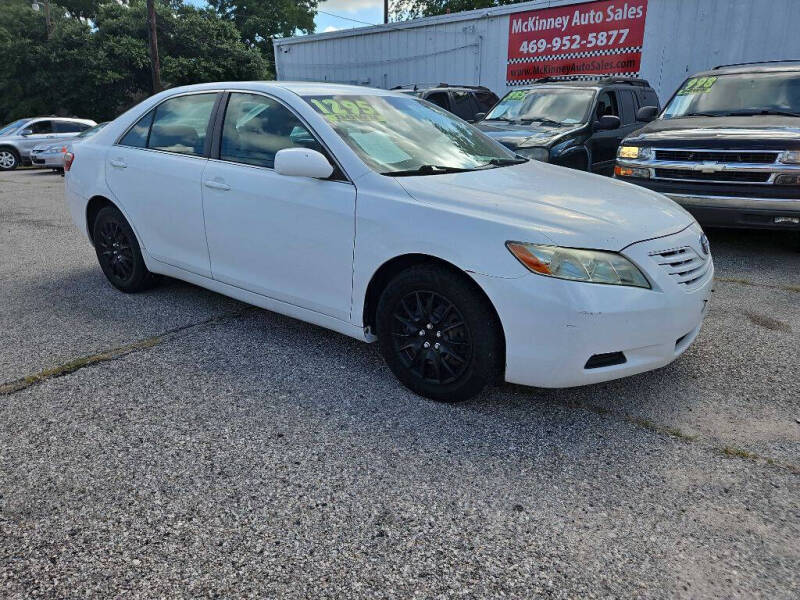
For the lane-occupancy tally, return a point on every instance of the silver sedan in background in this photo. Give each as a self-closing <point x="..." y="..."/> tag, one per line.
<point x="51" y="156"/>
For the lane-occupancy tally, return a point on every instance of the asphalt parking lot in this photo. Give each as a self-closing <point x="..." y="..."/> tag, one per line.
<point x="178" y="443"/>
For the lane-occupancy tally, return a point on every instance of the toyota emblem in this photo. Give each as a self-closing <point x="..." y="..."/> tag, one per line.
<point x="704" y="244"/>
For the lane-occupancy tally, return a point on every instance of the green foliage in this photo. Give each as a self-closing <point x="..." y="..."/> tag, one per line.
<point x="97" y="68"/>
<point x="259" y="21"/>
<point x="410" y="9"/>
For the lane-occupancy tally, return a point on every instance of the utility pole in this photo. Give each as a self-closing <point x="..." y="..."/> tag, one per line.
<point x="152" y="36"/>
<point x="48" y="22"/>
<point x="385" y="11"/>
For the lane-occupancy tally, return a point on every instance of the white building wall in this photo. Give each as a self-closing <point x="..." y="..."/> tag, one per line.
<point x="681" y="38"/>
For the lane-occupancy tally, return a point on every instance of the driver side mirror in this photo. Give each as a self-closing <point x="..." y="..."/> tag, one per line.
<point x="607" y="122"/>
<point x="26" y="132"/>
<point x="647" y="114"/>
<point x="302" y="162"/>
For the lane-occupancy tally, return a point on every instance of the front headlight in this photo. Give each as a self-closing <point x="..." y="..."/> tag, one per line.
<point x="635" y="152"/>
<point x="790" y="157"/>
<point x="591" y="266"/>
<point x="536" y="153"/>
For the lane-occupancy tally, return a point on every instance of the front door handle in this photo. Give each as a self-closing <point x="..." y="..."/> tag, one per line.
<point x="217" y="185"/>
<point x="119" y="163"/>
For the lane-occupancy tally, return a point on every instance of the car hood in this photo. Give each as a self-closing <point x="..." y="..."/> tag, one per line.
<point x="521" y="136"/>
<point x="571" y="208"/>
<point x="767" y="132"/>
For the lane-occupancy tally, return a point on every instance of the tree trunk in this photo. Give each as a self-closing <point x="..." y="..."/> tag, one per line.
<point x="152" y="36"/>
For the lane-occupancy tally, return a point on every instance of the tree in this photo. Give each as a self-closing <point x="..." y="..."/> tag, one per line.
<point x="97" y="69"/>
<point x="410" y="9"/>
<point x="259" y="21"/>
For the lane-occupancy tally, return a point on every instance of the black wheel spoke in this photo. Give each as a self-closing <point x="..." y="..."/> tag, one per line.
<point x="426" y="327"/>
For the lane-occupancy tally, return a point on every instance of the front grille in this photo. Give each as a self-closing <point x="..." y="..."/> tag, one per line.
<point x="683" y="264"/>
<point x="734" y="176"/>
<point x="712" y="156"/>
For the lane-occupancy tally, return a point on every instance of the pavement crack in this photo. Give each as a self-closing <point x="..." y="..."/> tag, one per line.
<point x="76" y="364"/>
<point x="769" y="286"/>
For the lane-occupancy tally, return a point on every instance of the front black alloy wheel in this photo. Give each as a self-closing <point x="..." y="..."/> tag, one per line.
<point x="118" y="252"/>
<point x="438" y="333"/>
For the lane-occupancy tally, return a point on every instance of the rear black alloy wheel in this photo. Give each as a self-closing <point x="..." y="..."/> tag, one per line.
<point x="118" y="252"/>
<point x="430" y="337"/>
<point x="438" y="333"/>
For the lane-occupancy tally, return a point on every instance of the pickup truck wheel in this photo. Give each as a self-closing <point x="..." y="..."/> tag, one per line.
<point x="9" y="159"/>
<point x="118" y="252"/>
<point x="438" y="334"/>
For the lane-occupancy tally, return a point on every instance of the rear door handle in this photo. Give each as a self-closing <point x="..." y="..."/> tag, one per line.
<point x="217" y="185"/>
<point x="119" y="163"/>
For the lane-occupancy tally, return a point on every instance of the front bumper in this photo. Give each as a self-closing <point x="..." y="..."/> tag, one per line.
<point x="54" y="160"/>
<point x="554" y="327"/>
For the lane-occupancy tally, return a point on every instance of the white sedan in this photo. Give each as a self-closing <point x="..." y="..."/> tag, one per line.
<point x="383" y="217"/>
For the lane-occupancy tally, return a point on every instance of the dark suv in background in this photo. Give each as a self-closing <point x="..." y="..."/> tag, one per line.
<point x="576" y="124"/>
<point x="726" y="147"/>
<point x="468" y="102"/>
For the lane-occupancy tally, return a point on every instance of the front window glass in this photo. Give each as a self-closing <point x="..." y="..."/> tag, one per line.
<point x="12" y="126"/>
<point x="180" y="124"/>
<point x="42" y="127"/>
<point x="565" y="106"/>
<point x="257" y="127"/>
<point x="736" y="95"/>
<point x="395" y="134"/>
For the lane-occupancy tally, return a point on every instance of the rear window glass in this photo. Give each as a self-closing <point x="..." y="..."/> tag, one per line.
<point x="69" y="127"/>
<point x="180" y="124"/>
<point x="137" y="135"/>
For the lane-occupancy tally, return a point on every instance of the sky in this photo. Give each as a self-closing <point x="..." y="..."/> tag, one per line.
<point x="369" y="11"/>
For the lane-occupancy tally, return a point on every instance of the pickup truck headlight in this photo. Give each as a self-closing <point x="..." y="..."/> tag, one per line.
<point x="790" y="157"/>
<point x="590" y="266"/>
<point x="536" y="153"/>
<point x="635" y="152"/>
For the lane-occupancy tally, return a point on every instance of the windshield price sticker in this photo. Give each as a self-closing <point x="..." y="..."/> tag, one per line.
<point x="356" y="109"/>
<point x="517" y="95"/>
<point x="697" y="85"/>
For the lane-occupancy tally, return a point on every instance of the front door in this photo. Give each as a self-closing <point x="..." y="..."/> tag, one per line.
<point x="41" y="133"/>
<point x="605" y="143"/>
<point x="288" y="238"/>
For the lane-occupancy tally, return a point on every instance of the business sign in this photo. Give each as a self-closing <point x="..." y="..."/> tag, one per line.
<point x="595" y="38"/>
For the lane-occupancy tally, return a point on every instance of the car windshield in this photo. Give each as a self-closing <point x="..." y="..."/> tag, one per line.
<point x="397" y="135"/>
<point x="564" y="106"/>
<point x="737" y="95"/>
<point x="91" y="131"/>
<point x="11" y="126"/>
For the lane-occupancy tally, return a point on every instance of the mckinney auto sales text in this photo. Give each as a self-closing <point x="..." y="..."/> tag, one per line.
<point x="579" y="17"/>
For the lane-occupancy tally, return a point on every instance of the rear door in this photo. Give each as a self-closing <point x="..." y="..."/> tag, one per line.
<point x="65" y="130"/>
<point x="155" y="172"/>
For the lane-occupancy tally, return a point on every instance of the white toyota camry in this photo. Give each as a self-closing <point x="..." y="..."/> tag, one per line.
<point x="385" y="218"/>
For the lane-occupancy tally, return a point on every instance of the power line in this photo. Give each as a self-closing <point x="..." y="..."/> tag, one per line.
<point x="330" y="14"/>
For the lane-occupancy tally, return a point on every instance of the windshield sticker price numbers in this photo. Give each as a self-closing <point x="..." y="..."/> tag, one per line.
<point x="346" y="110"/>
<point x="697" y="85"/>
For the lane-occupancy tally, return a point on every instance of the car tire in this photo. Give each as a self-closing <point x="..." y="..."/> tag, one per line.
<point x="118" y="252"/>
<point x="439" y="334"/>
<point x="9" y="159"/>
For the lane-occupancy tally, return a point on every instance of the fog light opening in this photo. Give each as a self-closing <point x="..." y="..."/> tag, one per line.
<point x="608" y="359"/>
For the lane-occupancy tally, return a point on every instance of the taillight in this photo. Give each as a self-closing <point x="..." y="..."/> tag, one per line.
<point x="69" y="157"/>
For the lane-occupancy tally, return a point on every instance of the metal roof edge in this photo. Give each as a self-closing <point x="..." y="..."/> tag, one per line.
<point x="424" y="21"/>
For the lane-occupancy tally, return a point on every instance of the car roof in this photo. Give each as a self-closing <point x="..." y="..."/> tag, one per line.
<point x="54" y="118"/>
<point x="766" y="67"/>
<point x="301" y="88"/>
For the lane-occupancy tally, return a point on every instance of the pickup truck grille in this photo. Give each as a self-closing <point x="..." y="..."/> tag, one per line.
<point x="717" y="156"/>
<point x="722" y="176"/>
<point x="683" y="264"/>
